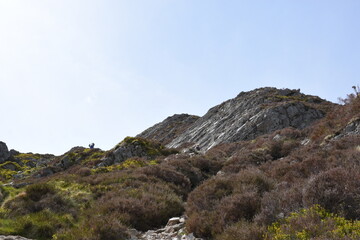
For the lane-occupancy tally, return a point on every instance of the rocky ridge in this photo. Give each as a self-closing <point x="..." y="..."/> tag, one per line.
<point x="252" y="114"/>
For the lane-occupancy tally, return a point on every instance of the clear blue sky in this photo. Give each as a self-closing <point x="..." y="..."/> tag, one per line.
<point x="79" y="71"/>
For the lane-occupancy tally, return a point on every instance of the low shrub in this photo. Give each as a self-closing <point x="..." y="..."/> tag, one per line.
<point x="242" y="230"/>
<point x="145" y="206"/>
<point x="247" y="158"/>
<point x="208" y="166"/>
<point x="37" y="191"/>
<point x="224" y="200"/>
<point x="84" y="171"/>
<point x="337" y="190"/>
<point x="313" y="223"/>
<point x="168" y="174"/>
<point x="184" y="167"/>
<point x="238" y="206"/>
<point x="36" y="198"/>
<point x="41" y="225"/>
<point x="281" y="201"/>
<point x="95" y="228"/>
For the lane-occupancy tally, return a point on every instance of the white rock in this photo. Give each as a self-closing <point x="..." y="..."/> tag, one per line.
<point x="173" y="221"/>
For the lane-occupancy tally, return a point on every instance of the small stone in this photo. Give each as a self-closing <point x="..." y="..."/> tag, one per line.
<point x="173" y="221"/>
<point x="277" y="137"/>
<point x="305" y="142"/>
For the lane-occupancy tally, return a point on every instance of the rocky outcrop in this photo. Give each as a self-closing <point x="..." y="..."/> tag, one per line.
<point x="169" y="129"/>
<point x="174" y="230"/>
<point x="252" y="114"/>
<point x="351" y="129"/>
<point x="4" y="152"/>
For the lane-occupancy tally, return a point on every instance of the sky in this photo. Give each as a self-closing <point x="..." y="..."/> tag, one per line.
<point x="74" y="72"/>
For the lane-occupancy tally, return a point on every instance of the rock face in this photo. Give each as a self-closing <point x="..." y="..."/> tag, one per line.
<point x="169" y="129"/>
<point x="351" y="129"/>
<point x="252" y="114"/>
<point x="4" y="152"/>
<point x="174" y="230"/>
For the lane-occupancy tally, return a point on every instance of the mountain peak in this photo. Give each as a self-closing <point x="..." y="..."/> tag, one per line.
<point x="248" y="115"/>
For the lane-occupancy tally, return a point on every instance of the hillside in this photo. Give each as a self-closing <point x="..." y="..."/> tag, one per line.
<point x="268" y="164"/>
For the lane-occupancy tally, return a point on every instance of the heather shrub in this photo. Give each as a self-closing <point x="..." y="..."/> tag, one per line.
<point x="38" y="197"/>
<point x="246" y="158"/>
<point x="95" y="227"/>
<point x="143" y="207"/>
<point x="286" y="142"/>
<point x="278" y="169"/>
<point x="275" y="149"/>
<point x="40" y="225"/>
<point x="36" y="191"/>
<point x="238" y="206"/>
<point x="301" y="164"/>
<point x="184" y="166"/>
<point x="337" y="190"/>
<point x="231" y="209"/>
<point x="84" y="171"/>
<point x="242" y="230"/>
<point x="313" y="223"/>
<point x="168" y="174"/>
<point x="204" y="224"/>
<point x="278" y="203"/>
<point x="208" y="166"/>
<point x="224" y="200"/>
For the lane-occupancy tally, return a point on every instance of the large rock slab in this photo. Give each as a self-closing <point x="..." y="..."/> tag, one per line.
<point x="252" y="114"/>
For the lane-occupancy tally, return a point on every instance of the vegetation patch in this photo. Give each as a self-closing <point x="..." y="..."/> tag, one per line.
<point x="152" y="148"/>
<point x="41" y="225"/>
<point x="313" y="223"/>
<point x="127" y="164"/>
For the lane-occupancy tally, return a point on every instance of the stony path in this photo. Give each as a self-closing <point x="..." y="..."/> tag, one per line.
<point x="174" y="230"/>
